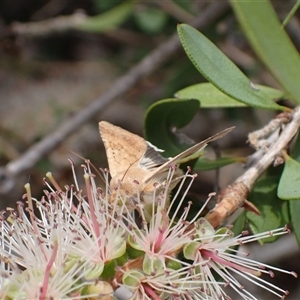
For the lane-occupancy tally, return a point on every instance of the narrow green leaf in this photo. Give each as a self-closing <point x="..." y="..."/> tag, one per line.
<point x="289" y="184"/>
<point x="108" y="20"/>
<point x="291" y="13"/>
<point x="161" y="119"/>
<point x="270" y="42"/>
<point x="205" y="164"/>
<point x="220" y="70"/>
<point x="274" y="212"/>
<point x="295" y="213"/>
<point x="209" y="96"/>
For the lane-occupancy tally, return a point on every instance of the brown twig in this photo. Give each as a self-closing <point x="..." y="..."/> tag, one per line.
<point x="147" y="66"/>
<point x="235" y="195"/>
<point x="49" y="26"/>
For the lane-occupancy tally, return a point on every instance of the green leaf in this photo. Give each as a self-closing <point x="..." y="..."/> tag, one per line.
<point x="270" y="42"/>
<point x="274" y="212"/>
<point x="165" y="115"/>
<point x="220" y="71"/>
<point x="289" y="184"/>
<point x="209" y="96"/>
<point x="295" y="213"/>
<point x="296" y="149"/>
<point x="108" y="20"/>
<point x="239" y="224"/>
<point x="291" y="13"/>
<point x="205" y="164"/>
<point x="151" y="20"/>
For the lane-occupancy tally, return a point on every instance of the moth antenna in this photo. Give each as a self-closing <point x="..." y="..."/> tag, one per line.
<point x="92" y="165"/>
<point x="129" y="168"/>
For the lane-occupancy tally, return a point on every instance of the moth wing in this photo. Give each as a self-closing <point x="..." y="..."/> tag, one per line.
<point x="175" y="160"/>
<point x="152" y="159"/>
<point x="123" y="148"/>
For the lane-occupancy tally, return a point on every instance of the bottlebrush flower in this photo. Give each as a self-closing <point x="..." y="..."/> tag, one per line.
<point x="164" y="274"/>
<point x="213" y="255"/>
<point x="78" y="244"/>
<point x="41" y="247"/>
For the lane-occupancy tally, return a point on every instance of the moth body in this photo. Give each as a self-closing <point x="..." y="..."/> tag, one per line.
<point x="135" y="187"/>
<point x="138" y="171"/>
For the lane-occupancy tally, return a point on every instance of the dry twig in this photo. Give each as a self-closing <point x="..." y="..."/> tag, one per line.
<point x="235" y="195"/>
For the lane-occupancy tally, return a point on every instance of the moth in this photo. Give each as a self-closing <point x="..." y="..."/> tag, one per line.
<point x="136" y="166"/>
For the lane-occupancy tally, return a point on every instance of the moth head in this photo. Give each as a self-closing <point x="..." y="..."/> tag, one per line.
<point x="124" y="192"/>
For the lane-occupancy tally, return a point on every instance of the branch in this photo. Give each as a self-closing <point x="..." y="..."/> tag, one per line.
<point x="147" y="66"/>
<point x="49" y="26"/>
<point x="235" y="195"/>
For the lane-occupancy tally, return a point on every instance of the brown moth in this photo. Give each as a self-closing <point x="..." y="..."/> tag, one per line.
<point x="136" y="167"/>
